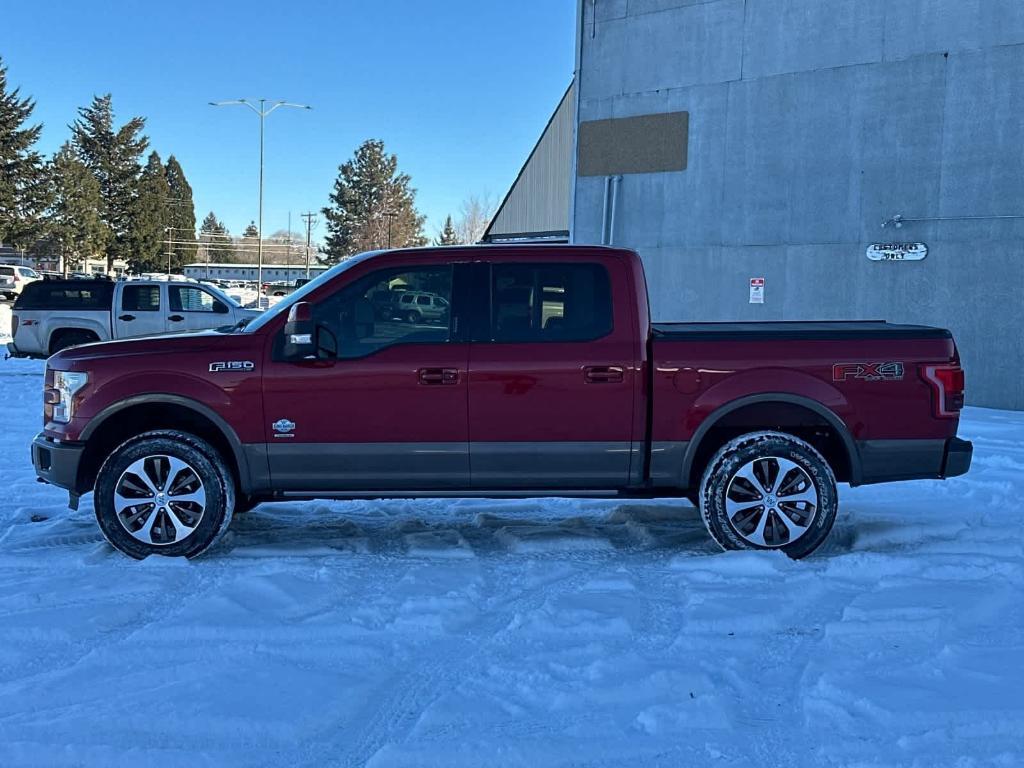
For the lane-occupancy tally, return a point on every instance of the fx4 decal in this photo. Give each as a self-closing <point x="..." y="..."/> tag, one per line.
<point x="891" y="371"/>
<point x="232" y="365"/>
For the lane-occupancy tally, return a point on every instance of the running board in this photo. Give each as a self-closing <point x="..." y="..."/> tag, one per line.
<point x="459" y="494"/>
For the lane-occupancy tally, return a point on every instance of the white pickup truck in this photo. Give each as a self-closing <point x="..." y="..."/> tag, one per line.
<point x="51" y="315"/>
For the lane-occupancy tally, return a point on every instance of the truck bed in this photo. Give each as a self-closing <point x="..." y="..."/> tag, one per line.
<point x="799" y="330"/>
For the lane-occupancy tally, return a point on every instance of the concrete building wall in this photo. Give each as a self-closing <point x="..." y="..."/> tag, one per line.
<point x="810" y="123"/>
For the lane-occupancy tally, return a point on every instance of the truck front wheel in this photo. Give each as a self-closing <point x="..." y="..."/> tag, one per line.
<point x="164" y="493"/>
<point x="769" y="490"/>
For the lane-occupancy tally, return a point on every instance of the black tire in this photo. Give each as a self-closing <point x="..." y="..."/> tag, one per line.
<point x="412" y="317"/>
<point x="65" y="339"/>
<point x="205" y="463"/>
<point x="761" y="454"/>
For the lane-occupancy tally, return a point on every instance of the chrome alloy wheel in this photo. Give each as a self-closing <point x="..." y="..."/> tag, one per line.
<point x="159" y="500"/>
<point x="771" y="501"/>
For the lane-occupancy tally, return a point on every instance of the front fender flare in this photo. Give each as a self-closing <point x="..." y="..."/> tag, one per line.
<point x="241" y="461"/>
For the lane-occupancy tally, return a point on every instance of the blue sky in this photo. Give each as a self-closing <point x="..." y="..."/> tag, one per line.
<point x="460" y="89"/>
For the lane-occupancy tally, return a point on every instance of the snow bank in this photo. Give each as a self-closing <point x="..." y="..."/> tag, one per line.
<point x="526" y="633"/>
<point x="5" y="323"/>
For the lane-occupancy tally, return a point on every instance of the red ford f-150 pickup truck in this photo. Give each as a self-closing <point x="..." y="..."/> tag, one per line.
<point x="497" y="371"/>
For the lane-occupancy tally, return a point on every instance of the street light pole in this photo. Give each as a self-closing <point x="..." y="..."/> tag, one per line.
<point x="262" y="111"/>
<point x="391" y="217"/>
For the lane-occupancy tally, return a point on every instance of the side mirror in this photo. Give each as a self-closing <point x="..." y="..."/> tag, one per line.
<point x="220" y="308"/>
<point x="299" y="333"/>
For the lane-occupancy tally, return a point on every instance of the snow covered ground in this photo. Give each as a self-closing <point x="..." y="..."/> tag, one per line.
<point x="472" y="633"/>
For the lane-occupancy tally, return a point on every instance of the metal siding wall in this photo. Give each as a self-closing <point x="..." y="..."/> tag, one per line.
<point x="539" y="200"/>
<point x="812" y="121"/>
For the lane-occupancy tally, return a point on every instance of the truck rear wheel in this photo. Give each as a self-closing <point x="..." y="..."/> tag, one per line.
<point x="769" y="490"/>
<point x="164" y="493"/>
<point x="71" y="338"/>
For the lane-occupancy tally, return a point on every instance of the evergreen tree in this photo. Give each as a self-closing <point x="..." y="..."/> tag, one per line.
<point x="75" y="226"/>
<point x="370" y="199"/>
<point x="181" y="213"/>
<point x="24" y="187"/>
<point x="251" y="231"/>
<point x="216" y="242"/>
<point x="448" y="235"/>
<point x="149" y="224"/>
<point x="112" y="154"/>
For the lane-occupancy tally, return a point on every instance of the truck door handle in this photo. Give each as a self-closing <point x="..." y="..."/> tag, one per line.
<point x="603" y="374"/>
<point x="434" y="376"/>
<point x="176" y="318"/>
<point x="126" y="318"/>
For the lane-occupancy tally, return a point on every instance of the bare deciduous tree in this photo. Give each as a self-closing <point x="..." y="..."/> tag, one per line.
<point x="475" y="214"/>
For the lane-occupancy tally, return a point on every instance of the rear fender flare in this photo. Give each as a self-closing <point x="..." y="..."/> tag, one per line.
<point x="773" y="397"/>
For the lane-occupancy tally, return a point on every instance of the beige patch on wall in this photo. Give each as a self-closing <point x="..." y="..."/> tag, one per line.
<point x="641" y="144"/>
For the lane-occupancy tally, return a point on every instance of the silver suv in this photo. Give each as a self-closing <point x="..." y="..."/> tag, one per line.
<point x="14" y="278"/>
<point x="419" y="307"/>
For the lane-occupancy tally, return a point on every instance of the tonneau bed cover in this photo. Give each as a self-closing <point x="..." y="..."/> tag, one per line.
<point x="797" y="330"/>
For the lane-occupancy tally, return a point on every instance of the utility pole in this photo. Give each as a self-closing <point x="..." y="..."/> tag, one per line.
<point x="310" y="218"/>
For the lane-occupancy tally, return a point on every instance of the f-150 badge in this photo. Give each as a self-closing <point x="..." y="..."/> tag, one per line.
<point x="283" y="428"/>
<point x="232" y="365"/>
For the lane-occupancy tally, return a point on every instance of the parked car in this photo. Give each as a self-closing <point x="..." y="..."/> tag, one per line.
<point x="52" y="315"/>
<point x="420" y="307"/>
<point x="547" y="378"/>
<point x="19" y="278"/>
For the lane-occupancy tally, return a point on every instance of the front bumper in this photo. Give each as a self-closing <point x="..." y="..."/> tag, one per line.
<point x="57" y="463"/>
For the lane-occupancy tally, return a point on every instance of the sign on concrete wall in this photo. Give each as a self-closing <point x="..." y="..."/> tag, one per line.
<point x="897" y="251"/>
<point x="757" y="290"/>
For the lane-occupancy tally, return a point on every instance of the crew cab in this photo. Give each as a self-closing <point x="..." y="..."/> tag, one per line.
<point x="51" y="315"/>
<point x="546" y="377"/>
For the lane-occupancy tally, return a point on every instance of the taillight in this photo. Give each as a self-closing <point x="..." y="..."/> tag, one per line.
<point x="947" y="388"/>
<point x="14" y="325"/>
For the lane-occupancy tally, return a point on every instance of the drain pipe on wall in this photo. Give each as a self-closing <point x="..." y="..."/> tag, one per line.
<point x="611" y="199"/>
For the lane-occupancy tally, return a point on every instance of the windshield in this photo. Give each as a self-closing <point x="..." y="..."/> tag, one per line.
<point x="301" y="293"/>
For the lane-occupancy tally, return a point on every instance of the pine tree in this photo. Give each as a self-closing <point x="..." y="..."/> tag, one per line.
<point x="181" y="213"/>
<point x="24" y="187"/>
<point x="251" y="231"/>
<point x="149" y="233"/>
<point x="448" y="235"/>
<point x="372" y="202"/>
<point x="112" y="154"/>
<point x="75" y="226"/>
<point x="216" y="242"/>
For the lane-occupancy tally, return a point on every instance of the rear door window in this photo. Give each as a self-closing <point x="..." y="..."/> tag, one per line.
<point x="550" y="302"/>
<point x="140" y="298"/>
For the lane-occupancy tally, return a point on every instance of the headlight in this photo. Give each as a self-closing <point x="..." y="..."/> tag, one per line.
<point x="65" y="385"/>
